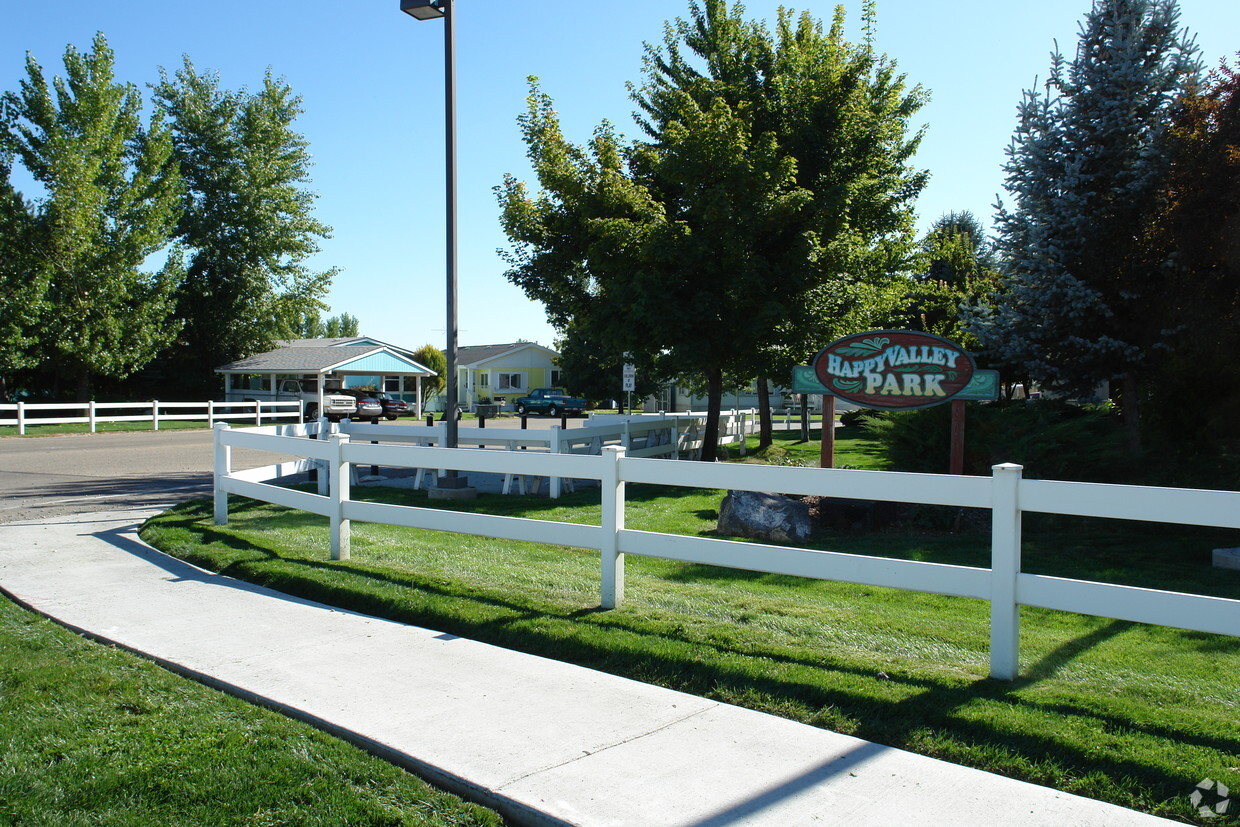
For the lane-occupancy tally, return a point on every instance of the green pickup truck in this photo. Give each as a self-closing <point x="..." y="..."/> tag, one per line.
<point x="550" y="401"/>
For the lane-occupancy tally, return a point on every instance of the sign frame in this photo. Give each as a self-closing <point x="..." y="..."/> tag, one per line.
<point x="894" y="370"/>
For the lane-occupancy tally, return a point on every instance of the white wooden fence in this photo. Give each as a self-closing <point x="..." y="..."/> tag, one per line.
<point x="1005" y="493"/>
<point x="92" y="413"/>
<point x="690" y="426"/>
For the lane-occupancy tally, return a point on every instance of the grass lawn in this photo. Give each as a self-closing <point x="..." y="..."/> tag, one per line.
<point x="94" y="735"/>
<point x="1123" y="712"/>
<point x="33" y="430"/>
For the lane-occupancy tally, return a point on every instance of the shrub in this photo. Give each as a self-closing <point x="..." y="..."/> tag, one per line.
<point x="1052" y="440"/>
<point x="856" y="417"/>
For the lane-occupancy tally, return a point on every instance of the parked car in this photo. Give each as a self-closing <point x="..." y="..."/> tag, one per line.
<point x="368" y="407"/>
<point x="392" y="407"/>
<point x="550" y="401"/>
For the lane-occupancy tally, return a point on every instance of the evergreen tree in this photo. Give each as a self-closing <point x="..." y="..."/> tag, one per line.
<point x="1086" y="169"/>
<point x="774" y="184"/>
<point x="247" y="225"/>
<point x="112" y="197"/>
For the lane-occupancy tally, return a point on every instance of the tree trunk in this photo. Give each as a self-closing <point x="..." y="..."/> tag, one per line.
<point x="714" y="402"/>
<point x="1132" y="411"/>
<point x="804" y="417"/>
<point x="765" y="429"/>
<point x="83" y="386"/>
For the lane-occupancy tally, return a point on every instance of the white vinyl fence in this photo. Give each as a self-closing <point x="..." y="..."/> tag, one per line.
<point x="25" y="414"/>
<point x="1006" y="494"/>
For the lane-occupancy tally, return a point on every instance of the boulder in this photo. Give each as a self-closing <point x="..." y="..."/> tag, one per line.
<point x="1227" y="558"/>
<point x="771" y="517"/>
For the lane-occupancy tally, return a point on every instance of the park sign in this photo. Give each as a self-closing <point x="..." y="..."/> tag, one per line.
<point x="894" y="369"/>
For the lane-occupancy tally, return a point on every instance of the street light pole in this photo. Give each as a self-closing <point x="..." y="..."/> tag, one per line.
<point x="430" y="10"/>
<point x="449" y="51"/>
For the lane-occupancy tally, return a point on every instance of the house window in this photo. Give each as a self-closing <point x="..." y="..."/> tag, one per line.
<point x="555" y="378"/>
<point x="511" y="381"/>
<point x="391" y="384"/>
<point x="484" y="379"/>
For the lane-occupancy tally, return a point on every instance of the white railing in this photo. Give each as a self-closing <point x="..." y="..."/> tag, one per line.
<point x="671" y="437"/>
<point x="734" y="426"/>
<point x="1006" y="494"/>
<point x="92" y="413"/>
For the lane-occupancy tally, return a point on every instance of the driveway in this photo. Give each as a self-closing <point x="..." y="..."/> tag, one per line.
<point x="42" y="477"/>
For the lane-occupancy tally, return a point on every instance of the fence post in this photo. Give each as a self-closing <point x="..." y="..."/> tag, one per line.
<point x="155" y="414"/>
<point x="210" y="413"/>
<point x="258" y="412"/>
<point x="340" y="495"/>
<point x="1004" y="568"/>
<point x="554" y="482"/>
<point x="613" y="523"/>
<point x="441" y="440"/>
<point x="223" y="467"/>
<point x="323" y="470"/>
<point x="90" y="415"/>
<point x="21" y="417"/>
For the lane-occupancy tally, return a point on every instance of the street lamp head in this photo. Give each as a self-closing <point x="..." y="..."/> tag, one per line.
<point x="422" y="9"/>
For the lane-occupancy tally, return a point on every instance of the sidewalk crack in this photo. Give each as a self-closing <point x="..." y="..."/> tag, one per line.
<point x="606" y="747"/>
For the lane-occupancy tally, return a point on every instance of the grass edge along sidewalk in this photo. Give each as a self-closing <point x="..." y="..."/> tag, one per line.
<point x="94" y="734"/>
<point x="1131" y="714"/>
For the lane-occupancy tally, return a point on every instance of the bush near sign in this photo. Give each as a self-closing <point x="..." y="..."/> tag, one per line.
<point x="894" y="369"/>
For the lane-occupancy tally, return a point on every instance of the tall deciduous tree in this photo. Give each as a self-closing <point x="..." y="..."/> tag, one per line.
<point x="429" y="356"/>
<point x="311" y="325"/>
<point x="957" y="269"/>
<point x="23" y="285"/>
<point x="248" y="225"/>
<point x="112" y="198"/>
<point x="1086" y="169"/>
<point x="1201" y="224"/>
<point x="774" y="182"/>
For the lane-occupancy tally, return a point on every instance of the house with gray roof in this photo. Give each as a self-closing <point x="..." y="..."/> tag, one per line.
<point x="502" y="373"/>
<point x="327" y="364"/>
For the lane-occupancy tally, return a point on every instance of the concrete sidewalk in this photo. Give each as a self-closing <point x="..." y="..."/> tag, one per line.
<point x="544" y="742"/>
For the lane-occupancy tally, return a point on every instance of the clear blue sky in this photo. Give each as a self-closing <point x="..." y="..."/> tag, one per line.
<point x="372" y="83"/>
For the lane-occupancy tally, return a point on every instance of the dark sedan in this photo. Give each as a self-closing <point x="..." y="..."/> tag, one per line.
<point x="392" y="407"/>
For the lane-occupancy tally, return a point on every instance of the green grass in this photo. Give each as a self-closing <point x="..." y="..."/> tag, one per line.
<point x="1123" y="712"/>
<point x="104" y="427"/>
<point x="94" y="735"/>
<point x="853" y="449"/>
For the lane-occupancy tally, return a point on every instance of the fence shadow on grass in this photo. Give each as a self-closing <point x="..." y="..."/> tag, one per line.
<point x="898" y="712"/>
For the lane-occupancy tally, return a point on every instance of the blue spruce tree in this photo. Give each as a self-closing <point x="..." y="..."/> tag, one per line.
<point x="1086" y="169"/>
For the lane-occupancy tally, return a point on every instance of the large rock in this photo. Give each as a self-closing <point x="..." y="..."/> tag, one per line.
<point x="771" y="517"/>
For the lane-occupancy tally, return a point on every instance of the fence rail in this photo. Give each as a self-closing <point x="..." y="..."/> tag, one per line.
<point x="1006" y="494"/>
<point x="92" y="413"/>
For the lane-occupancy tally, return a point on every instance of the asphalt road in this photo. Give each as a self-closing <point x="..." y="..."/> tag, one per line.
<point x="42" y="477"/>
<point x="50" y="476"/>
